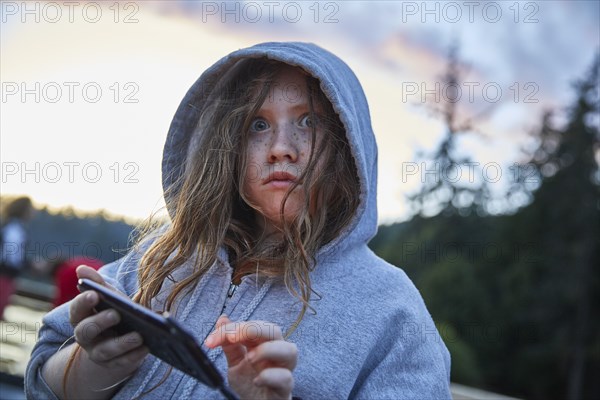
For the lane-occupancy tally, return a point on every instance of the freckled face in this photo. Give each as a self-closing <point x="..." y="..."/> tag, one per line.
<point x="279" y="142"/>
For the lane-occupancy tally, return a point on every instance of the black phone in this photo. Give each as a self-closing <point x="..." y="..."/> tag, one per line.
<point x="164" y="337"/>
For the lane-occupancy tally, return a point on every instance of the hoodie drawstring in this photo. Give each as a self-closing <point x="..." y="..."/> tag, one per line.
<point x="188" y="308"/>
<point x="214" y="353"/>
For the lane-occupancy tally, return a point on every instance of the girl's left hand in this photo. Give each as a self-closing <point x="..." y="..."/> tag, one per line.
<point x="260" y="362"/>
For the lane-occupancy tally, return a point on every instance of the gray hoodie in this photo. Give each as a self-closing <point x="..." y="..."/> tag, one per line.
<point x="371" y="335"/>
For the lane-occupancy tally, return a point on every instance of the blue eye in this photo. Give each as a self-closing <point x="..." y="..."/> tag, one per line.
<point x="309" y="121"/>
<point x="258" y="125"/>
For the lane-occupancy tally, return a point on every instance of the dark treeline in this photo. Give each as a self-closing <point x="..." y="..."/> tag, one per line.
<point x="516" y="297"/>
<point x="55" y="236"/>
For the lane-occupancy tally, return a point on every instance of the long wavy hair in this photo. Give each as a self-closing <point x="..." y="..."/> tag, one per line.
<point x="210" y="209"/>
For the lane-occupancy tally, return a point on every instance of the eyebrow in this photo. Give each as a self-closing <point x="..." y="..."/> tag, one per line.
<point x="301" y="105"/>
<point x="304" y="105"/>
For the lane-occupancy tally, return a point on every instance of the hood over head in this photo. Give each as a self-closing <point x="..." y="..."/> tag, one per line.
<point x="340" y="86"/>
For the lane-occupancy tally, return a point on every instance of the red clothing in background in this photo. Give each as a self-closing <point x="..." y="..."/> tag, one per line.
<point x="66" y="278"/>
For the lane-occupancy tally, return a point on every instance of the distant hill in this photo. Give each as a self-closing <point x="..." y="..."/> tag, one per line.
<point x="70" y="235"/>
<point x="66" y="233"/>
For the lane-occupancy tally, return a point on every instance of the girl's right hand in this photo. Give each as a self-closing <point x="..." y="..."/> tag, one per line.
<point x="118" y="357"/>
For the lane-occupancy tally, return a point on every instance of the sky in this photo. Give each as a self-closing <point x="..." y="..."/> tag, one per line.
<point x="89" y="88"/>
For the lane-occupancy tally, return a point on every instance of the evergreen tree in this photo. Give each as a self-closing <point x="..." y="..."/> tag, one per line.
<point x="516" y="297"/>
<point x="566" y="213"/>
<point x="444" y="192"/>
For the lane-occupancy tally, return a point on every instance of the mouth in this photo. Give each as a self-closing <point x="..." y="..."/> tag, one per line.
<point x="280" y="178"/>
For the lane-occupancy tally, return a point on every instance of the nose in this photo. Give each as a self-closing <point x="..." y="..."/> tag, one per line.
<point x="283" y="147"/>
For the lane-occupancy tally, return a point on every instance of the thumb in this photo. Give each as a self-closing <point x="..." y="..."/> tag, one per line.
<point x="85" y="272"/>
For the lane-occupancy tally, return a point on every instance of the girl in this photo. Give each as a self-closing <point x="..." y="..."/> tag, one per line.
<point x="269" y="171"/>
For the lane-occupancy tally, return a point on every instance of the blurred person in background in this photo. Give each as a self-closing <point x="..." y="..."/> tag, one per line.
<point x="13" y="236"/>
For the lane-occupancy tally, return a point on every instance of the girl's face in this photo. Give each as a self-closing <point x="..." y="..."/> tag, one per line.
<point x="278" y="150"/>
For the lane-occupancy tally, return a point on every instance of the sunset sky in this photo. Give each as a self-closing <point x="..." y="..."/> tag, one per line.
<point x="89" y="89"/>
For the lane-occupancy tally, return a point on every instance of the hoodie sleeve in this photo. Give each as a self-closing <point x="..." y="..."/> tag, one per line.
<point x="57" y="331"/>
<point x="410" y="361"/>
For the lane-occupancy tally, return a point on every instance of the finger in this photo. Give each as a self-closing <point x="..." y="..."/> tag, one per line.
<point x="278" y="380"/>
<point x="249" y="334"/>
<point x="222" y="320"/>
<point x="82" y="306"/>
<point x="129" y="361"/>
<point x="85" y="272"/>
<point x="210" y="340"/>
<point x="88" y="330"/>
<point x="233" y="352"/>
<point x="277" y="353"/>
<point x="115" y="347"/>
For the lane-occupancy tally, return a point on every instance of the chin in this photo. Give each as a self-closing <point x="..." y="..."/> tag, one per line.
<point x="272" y="215"/>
